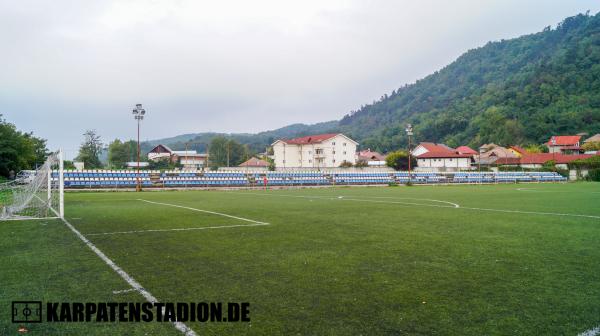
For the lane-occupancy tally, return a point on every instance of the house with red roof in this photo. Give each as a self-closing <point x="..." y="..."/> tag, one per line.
<point x="517" y="151"/>
<point x="565" y="144"/>
<point x="314" y="151"/>
<point x="188" y="159"/>
<point x="439" y="157"/>
<point x="466" y="150"/>
<point x="539" y="159"/>
<point x="372" y="158"/>
<point x="254" y="162"/>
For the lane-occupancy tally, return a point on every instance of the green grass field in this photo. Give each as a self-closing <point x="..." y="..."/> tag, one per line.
<point x="434" y="260"/>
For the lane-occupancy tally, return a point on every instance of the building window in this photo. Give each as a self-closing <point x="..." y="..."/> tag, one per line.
<point x="309" y="161"/>
<point x="283" y="161"/>
<point x="344" y="144"/>
<point x="333" y="160"/>
<point x="309" y="152"/>
<point x="319" y="151"/>
<point x="333" y="143"/>
<point x="344" y="152"/>
<point x="450" y="159"/>
<point x="333" y="152"/>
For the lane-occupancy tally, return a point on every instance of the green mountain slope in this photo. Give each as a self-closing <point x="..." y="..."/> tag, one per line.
<point x="513" y="91"/>
<point x="256" y="142"/>
<point x="516" y="91"/>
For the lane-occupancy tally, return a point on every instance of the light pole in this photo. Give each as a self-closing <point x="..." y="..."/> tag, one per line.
<point x="409" y="132"/>
<point x="138" y="114"/>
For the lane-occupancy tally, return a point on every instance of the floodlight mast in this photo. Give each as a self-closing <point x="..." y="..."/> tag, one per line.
<point x="409" y="133"/>
<point x="138" y="114"/>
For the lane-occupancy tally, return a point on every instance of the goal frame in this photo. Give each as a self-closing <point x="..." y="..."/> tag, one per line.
<point x="60" y="211"/>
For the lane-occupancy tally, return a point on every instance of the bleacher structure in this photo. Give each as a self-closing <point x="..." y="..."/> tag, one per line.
<point x="115" y="179"/>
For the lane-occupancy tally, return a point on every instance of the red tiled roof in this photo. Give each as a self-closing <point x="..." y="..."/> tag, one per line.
<point x="541" y="158"/>
<point x="370" y="155"/>
<point x="508" y="160"/>
<point x="434" y="147"/>
<point x="519" y="150"/>
<point x="254" y="162"/>
<point x="310" y="139"/>
<point x="440" y="151"/>
<point x="565" y="140"/>
<point x="466" y="150"/>
<point x="440" y="154"/>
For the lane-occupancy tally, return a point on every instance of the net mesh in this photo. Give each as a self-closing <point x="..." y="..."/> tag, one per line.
<point x="33" y="196"/>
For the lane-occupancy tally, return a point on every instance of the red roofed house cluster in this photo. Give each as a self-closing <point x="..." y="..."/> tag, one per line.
<point x="434" y="156"/>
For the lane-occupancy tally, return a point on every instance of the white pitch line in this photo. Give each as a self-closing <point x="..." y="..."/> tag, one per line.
<point x="130" y="280"/>
<point x="591" y="332"/>
<point x="333" y="198"/>
<point x="124" y="291"/>
<point x="415" y="199"/>
<point x="533" y="212"/>
<point x="206" y="211"/>
<point x="177" y="229"/>
<point x="435" y="205"/>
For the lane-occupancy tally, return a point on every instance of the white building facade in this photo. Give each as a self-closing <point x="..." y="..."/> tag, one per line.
<point x="315" y="151"/>
<point x="439" y="157"/>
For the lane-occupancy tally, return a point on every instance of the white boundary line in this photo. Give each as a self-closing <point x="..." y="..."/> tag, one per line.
<point x="205" y="211"/>
<point x="130" y="280"/>
<point x="178" y="229"/>
<point x="591" y="332"/>
<point x="343" y="198"/>
<point x="123" y="291"/>
<point x="456" y="206"/>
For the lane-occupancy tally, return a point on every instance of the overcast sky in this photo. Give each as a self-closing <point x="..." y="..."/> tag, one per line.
<point x="231" y="66"/>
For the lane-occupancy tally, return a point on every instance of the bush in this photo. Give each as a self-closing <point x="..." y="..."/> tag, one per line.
<point x="346" y="164"/>
<point x="589" y="163"/>
<point x="361" y="164"/>
<point x="399" y="160"/>
<point x="594" y="175"/>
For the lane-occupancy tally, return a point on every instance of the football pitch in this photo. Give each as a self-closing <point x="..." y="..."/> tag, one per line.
<point x="518" y="259"/>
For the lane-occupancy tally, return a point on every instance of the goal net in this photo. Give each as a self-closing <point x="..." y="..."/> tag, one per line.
<point x="35" y="195"/>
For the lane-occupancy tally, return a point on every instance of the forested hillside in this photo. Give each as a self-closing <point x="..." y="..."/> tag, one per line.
<point x="256" y="142"/>
<point x="510" y="92"/>
<point x="516" y="91"/>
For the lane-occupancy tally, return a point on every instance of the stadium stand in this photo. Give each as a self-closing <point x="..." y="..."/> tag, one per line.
<point x="95" y="179"/>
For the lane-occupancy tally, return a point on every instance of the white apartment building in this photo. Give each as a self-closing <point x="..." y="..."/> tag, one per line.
<point x="315" y="151"/>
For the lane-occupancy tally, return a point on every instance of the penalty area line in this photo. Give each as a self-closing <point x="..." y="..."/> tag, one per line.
<point x="182" y="327"/>
<point x="177" y="229"/>
<point x="205" y="211"/>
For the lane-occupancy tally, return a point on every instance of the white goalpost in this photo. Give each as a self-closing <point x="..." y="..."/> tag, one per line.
<point x="40" y="195"/>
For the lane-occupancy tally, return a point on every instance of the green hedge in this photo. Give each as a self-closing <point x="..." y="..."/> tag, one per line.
<point x="594" y="175"/>
<point x="589" y="163"/>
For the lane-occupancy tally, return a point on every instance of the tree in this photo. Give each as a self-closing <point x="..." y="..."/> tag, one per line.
<point x="399" y="160"/>
<point x="226" y="152"/>
<point x="119" y="153"/>
<point x="19" y="150"/>
<point x="361" y="164"/>
<point x="534" y="149"/>
<point x="591" y="146"/>
<point x="90" y="149"/>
